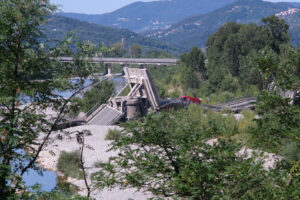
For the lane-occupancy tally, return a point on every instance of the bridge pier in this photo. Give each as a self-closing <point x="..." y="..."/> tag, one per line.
<point x="142" y="66"/>
<point x="108" y="69"/>
<point x="124" y="65"/>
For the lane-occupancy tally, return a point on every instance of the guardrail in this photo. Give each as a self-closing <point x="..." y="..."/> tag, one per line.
<point x="236" y="105"/>
<point x="93" y="109"/>
<point x="140" y="61"/>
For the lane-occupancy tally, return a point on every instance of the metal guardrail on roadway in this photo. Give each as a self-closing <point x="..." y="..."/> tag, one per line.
<point x="235" y="106"/>
<point x="139" y="61"/>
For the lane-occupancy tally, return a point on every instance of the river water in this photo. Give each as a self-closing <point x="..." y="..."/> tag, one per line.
<point x="48" y="180"/>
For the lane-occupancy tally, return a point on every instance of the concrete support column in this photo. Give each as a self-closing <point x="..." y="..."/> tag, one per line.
<point x="142" y="66"/>
<point x="133" y="108"/>
<point x="108" y="70"/>
<point x="124" y="65"/>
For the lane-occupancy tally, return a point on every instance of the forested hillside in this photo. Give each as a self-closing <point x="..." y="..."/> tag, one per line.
<point x="60" y="26"/>
<point x="195" y="31"/>
<point x="143" y="16"/>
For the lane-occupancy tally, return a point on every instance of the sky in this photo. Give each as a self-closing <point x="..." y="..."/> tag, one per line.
<point x="92" y="6"/>
<point x="103" y="6"/>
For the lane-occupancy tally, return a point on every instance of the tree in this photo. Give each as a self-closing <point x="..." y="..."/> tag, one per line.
<point x="195" y="60"/>
<point x="193" y="68"/>
<point x="97" y="95"/>
<point x="135" y="51"/>
<point x="277" y="31"/>
<point x="29" y="75"/>
<point x="157" y="54"/>
<point x="116" y="50"/>
<point x="188" y="78"/>
<point x="279" y="121"/>
<point x="234" y="47"/>
<point x="167" y="154"/>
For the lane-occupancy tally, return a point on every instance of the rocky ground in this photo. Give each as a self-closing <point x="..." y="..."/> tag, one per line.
<point x="98" y="152"/>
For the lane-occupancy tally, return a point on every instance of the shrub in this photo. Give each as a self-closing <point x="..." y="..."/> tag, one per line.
<point x="246" y="121"/>
<point x="99" y="164"/>
<point x="113" y="134"/>
<point x="69" y="164"/>
<point x="292" y="151"/>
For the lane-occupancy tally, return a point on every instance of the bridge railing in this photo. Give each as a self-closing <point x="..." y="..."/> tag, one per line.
<point x="92" y="110"/>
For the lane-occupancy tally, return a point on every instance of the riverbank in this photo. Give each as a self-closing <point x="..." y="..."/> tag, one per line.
<point x="97" y="151"/>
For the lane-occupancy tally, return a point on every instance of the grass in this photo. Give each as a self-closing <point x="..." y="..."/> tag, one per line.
<point x="69" y="164"/>
<point x="99" y="164"/>
<point x="126" y="91"/>
<point x="64" y="185"/>
<point x="244" y="125"/>
<point x="113" y="134"/>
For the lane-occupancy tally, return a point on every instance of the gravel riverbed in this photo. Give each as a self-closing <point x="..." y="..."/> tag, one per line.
<point x="98" y="152"/>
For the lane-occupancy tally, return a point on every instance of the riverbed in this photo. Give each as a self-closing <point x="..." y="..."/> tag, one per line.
<point x="48" y="179"/>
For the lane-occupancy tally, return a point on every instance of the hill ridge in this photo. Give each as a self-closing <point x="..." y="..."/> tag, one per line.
<point x="194" y="31"/>
<point x="145" y="16"/>
<point x="59" y="26"/>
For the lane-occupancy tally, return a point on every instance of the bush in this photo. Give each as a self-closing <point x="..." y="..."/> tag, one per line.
<point x="210" y="123"/>
<point x="99" y="164"/>
<point x="292" y="151"/>
<point x="246" y="121"/>
<point x="98" y="94"/>
<point x="113" y="134"/>
<point x="69" y="164"/>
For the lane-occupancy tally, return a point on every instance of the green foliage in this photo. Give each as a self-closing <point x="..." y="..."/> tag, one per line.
<point x="64" y="186"/>
<point x="232" y="53"/>
<point x="29" y="77"/>
<point x="158" y="54"/>
<point x="55" y="194"/>
<point x="99" y="164"/>
<point x="195" y="60"/>
<point x="135" y="51"/>
<point x="113" y="134"/>
<point x="167" y="154"/>
<point x="189" y="78"/>
<point x="117" y="50"/>
<point x="69" y="164"/>
<point x="232" y="70"/>
<point x="220" y="97"/>
<point x="292" y="151"/>
<point x="97" y="95"/>
<point x="193" y="68"/>
<point x="246" y="122"/>
<point x="167" y="79"/>
<point x="126" y="91"/>
<point x="277" y="32"/>
<point x="279" y="121"/>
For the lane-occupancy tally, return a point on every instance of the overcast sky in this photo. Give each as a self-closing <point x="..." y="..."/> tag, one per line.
<point x="102" y="6"/>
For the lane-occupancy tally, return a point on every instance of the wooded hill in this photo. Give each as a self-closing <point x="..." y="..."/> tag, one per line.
<point x="60" y="26"/>
<point x="195" y="31"/>
<point x="144" y="16"/>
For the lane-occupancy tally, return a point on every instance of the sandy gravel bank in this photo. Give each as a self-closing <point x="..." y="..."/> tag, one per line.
<point x="49" y="157"/>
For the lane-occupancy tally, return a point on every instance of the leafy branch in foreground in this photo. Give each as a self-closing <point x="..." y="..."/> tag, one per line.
<point x="168" y="155"/>
<point x="278" y="124"/>
<point x="29" y="78"/>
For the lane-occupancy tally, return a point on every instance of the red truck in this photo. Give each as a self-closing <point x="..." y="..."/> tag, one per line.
<point x="191" y="99"/>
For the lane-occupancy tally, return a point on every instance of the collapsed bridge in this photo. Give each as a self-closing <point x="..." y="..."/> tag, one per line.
<point x="142" y="96"/>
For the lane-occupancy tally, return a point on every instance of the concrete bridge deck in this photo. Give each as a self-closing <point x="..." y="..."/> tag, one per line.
<point x="128" y="61"/>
